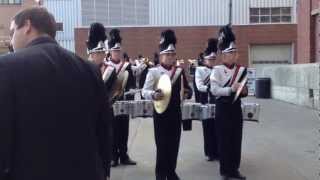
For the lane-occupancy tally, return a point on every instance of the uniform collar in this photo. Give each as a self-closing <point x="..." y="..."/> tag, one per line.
<point x="114" y="62"/>
<point x="229" y="66"/>
<point x="166" y="67"/>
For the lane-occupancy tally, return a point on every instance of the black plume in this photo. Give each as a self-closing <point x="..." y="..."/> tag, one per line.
<point x="114" y="37"/>
<point x="212" y="46"/>
<point x="167" y="37"/>
<point x="97" y="33"/>
<point x="226" y="36"/>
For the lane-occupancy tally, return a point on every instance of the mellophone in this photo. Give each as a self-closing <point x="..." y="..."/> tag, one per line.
<point x="190" y="111"/>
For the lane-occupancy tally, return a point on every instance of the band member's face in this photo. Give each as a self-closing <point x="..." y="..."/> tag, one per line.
<point x="97" y="57"/>
<point x="19" y="36"/>
<point x="168" y="59"/>
<point x="116" y="55"/>
<point x="209" y="62"/>
<point x="230" y="58"/>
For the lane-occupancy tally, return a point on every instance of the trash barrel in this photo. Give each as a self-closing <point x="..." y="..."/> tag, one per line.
<point x="263" y="88"/>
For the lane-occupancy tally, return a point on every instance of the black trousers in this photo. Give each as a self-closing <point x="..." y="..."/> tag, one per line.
<point x="210" y="138"/>
<point x="167" y="129"/>
<point x="229" y="124"/>
<point x="120" y="137"/>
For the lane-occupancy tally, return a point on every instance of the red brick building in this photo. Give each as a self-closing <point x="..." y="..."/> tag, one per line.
<point x="192" y="40"/>
<point x="304" y="36"/>
<point x="266" y="30"/>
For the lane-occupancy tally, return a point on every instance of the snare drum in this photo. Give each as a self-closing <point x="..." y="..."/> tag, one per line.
<point x="190" y="111"/>
<point x="207" y="111"/>
<point x="122" y="108"/>
<point x="142" y="108"/>
<point x="250" y="111"/>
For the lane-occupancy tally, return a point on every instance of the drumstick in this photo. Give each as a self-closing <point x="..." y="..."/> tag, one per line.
<point x="182" y="89"/>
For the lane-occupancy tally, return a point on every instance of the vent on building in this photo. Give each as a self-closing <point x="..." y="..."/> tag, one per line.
<point x="272" y="62"/>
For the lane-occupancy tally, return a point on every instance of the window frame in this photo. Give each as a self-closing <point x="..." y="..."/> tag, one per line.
<point x="10" y="2"/>
<point x="270" y="14"/>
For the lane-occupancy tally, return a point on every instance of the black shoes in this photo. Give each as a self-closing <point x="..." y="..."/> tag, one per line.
<point x="158" y="177"/>
<point x="114" y="163"/>
<point x="173" y="176"/>
<point x="236" y="176"/>
<point x="212" y="158"/>
<point x="127" y="161"/>
<point x="124" y="160"/>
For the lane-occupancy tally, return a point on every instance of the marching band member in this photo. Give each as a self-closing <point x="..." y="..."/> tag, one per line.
<point x="96" y="49"/>
<point x="225" y="80"/>
<point x="202" y="81"/>
<point x="167" y="125"/>
<point x="143" y="70"/>
<point x="195" y="89"/>
<point x="121" y="122"/>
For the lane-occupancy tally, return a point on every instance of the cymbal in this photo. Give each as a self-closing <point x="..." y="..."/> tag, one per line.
<point x="120" y="84"/>
<point x="164" y="84"/>
<point x="242" y="84"/>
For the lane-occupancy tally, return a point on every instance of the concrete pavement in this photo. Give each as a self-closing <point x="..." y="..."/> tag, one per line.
<point x="283" y="146"/>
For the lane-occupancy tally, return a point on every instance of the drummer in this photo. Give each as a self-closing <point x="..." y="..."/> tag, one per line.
<point x="96" y="50"/>
<point x="121" y="122"/>
<point x="167" y="125"/>
<point x="224" y="81"/>
<point x="202" y="78"/>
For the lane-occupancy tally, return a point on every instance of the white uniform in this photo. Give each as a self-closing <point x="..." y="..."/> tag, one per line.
<point x="167" y="125"/>
<point x="152" y="77"/>
<point x="221" y="79"/>
<point x="228" y="117"/>
<point x="118" y="66"/>
<point x="202" y="78"/>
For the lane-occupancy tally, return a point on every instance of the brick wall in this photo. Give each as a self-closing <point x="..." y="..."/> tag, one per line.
<point x="192" y="40"/>
<point x="315" y="32"/>
<point x="304" y="32"/>
<point x="315" y="4"/>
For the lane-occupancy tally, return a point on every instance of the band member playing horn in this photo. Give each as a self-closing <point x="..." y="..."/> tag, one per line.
<point x="167" y="124"/>
<point x="202" y="81"/>
<point x="195" y="89"/>
<point x="121" y="122"/>
<point x="227" y="82"/>
<point x="96" y="49"/>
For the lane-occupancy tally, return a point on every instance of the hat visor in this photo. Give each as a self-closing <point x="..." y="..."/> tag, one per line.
<point x="229" y="51"/>
<point x="168" y="52"/>
<point x="96" y="50"/>
<point x="115" y="49"/>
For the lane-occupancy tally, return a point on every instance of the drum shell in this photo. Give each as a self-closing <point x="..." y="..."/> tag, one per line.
<point x="122" y="108"/>
<point x="250" y="111"/>
<point x="207" y="111"/>
<point x="142" y="108"/>
<point x="191" y="111"/>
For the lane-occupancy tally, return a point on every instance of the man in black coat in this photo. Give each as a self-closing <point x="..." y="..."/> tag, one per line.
<point x="54" y="114"/>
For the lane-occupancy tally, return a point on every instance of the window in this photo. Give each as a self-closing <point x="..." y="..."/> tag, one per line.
<point x="7" y="2"/>
<point x="270" y="15"/>
<point x="59" y="26"/>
